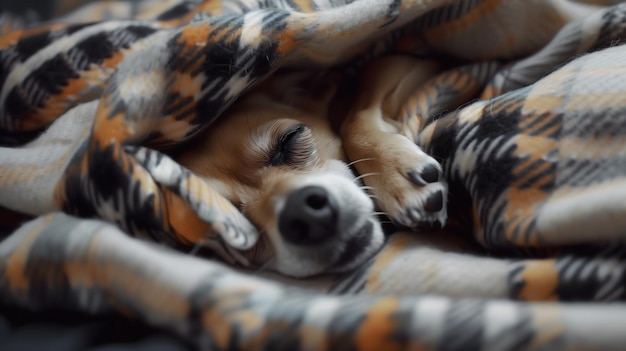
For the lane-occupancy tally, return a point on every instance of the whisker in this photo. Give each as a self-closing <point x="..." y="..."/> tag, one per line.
<point x="365" y="175"/>
<point x="360" y="160"/>
<point x="366" y="187"/>
<point x="372" y="196"/>
<point x="385" y="222"/>
<point x="378" y="213"/>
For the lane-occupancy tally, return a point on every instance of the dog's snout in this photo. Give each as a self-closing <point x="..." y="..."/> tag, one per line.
<point x="309" y="216"/>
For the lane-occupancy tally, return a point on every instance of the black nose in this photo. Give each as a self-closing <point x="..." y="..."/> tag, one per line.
<point x="309" y="216"/>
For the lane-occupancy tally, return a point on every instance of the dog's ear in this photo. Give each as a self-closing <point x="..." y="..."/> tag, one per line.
<point x="305" y="90"/>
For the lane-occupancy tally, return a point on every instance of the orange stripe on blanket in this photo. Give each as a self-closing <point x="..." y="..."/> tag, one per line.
<point x="186" y="84"/>
<point x="74" y="92"/>
<point x="212" y="7"/>
<point x="219" y="324"/>
<point x="525" y="193"/>
<point x="55" y="106"/>
<point x="17" y="261"/>
<point x="540" y="281"/>
<point x="536" y="105"/>
<point x="520" y="213"/>
<point x="12" y="37"/>
<point x="110" y="129"/>
<point x="450" y="28"/>
<point x="194" y="36"/>
<point x="200" y="35"/>
<point x="531" y="151"/>
<point x="377" y="329"/>
<point x="187" y="226"/>
<point x="304" y="5"/>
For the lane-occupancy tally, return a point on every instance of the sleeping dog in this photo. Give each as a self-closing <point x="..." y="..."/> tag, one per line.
<point x="288" y="154"/>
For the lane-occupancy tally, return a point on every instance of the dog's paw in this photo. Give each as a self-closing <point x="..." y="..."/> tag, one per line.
<point x="407" y="184"/>
<point x="424" y="199"/>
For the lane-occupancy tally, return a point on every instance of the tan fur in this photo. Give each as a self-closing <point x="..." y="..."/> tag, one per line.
<point x="372" y="130"/>
<point x="232" y="157"/>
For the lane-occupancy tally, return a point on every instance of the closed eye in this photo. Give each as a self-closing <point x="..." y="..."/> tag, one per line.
<point x="293" y="147"/>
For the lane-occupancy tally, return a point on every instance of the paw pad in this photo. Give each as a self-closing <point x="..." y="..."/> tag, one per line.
<point x="434" y="202"/>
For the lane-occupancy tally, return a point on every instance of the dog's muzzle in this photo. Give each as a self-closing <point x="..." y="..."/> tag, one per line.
<point x="309" y="217"/>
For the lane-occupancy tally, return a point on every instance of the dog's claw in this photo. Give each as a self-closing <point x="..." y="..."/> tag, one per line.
<point x="413" y="216"/>
<point x="428" y="174"/>
<point x="414" y="197"/>
<point x="431" y="174"/>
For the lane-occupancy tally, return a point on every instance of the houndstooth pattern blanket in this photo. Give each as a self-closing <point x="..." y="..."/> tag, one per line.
<point x="527" y="122"/>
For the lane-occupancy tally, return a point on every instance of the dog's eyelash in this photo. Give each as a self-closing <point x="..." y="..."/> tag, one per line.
<point x="294" y="147"/>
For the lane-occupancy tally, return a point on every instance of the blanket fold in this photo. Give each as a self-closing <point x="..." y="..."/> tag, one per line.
<point x="525" y="117"/>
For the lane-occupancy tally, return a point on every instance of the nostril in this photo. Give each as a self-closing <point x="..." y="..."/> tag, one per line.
<point x="316" y="201"/>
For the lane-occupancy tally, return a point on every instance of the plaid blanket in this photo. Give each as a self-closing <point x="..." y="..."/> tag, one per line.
<point x="526" y="121"/>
